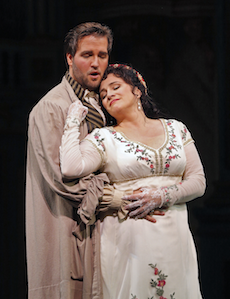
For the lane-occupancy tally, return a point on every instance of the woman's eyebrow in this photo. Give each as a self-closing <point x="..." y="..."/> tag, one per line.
<point x="114" y="82"/>
<point x="103" y="89"/>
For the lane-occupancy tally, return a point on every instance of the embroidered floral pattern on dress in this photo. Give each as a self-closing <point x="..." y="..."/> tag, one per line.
<point x="166" y="193"/>
<point x="184" y="133"/>
<point x="99" y="140"/>
<point x="141" y="153"/>
<point x="158" y="283"/>
<point x="171" y="148"/>
<point x="159" y="161"/>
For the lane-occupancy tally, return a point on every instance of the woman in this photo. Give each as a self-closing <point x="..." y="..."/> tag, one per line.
<point x="140" y="152"/>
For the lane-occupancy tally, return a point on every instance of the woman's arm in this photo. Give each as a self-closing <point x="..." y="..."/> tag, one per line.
<point x="192" y="186"/>
<point x="77" y="159"/>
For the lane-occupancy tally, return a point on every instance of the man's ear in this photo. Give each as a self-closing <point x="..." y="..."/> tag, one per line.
<point x="69" y="59"/>
<point x="137" y="92"/>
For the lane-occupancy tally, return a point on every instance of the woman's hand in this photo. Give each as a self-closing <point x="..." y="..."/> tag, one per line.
<point x="156" y="212"/>
<point x="77" y="110"/>
<point x="146" y="200"/>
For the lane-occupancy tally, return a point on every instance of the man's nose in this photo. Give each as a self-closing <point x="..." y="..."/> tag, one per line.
<point x="95" y="61"/>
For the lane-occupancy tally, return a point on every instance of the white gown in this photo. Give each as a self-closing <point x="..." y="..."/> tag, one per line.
<point x="141" y="259"/>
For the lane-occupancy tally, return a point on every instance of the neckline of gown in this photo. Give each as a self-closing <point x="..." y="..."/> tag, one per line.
<point x="143" y="144"/>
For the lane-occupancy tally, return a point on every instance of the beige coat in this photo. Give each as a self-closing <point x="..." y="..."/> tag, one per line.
<point x="62" y="249"/>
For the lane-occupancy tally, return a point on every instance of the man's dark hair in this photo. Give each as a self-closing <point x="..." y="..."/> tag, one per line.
<point x="85" y="29"/>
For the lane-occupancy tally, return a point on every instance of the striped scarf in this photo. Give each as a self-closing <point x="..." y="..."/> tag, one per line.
<point x="93" y="117"/>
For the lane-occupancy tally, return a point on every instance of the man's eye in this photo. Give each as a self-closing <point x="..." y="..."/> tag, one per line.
<point x="86" y="55"/>
<point x="103" y="56"/>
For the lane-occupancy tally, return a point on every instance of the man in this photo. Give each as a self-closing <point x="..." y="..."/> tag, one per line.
<point x="62" y="248"/>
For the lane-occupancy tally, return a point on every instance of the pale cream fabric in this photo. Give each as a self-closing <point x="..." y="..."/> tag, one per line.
<point x="62" y="249"/>
<point x="99" y="151"/>
<point x="129" y="246"/>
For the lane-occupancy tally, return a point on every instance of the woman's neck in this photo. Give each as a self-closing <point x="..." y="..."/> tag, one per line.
<point x="136" y="120"/>
<point x="145" y="130"/>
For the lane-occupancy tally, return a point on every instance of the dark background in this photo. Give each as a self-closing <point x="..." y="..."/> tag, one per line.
<point x="180" y="47"/>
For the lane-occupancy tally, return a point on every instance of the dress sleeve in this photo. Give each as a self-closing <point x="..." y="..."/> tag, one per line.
<point x="193" y="183"/>
<point x="185" y="134"/>
<point x="77" y="158"/>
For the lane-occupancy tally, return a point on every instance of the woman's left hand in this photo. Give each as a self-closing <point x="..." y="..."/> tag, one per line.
<point x="151" y="217"/>
<point x="146" y="200"/>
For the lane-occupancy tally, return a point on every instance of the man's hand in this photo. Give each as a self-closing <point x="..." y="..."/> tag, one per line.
<point x="145" y="201"/>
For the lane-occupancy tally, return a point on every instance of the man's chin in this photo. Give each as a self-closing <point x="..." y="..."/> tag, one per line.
<point x="93" y="85"/>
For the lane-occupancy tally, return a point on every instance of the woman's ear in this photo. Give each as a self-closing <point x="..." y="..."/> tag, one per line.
<point x="137" y="92"/>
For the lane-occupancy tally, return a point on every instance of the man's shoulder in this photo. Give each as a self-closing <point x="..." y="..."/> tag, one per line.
<point x="58" y="93"/>
<point x="60" y="96"/>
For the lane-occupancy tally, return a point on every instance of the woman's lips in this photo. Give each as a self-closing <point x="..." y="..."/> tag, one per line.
<point x="113" y="101"/>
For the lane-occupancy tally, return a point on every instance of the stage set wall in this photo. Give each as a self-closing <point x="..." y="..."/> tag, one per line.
<point x="182" y="50"/>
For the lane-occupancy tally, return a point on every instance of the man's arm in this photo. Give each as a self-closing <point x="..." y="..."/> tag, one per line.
<point x="46" y="125"/>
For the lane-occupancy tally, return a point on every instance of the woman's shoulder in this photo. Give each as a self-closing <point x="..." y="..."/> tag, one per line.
<point x="100" y="137"/>
<point x="174" y="122"/>
<point x="181" y="128"/>
<point x="97" y="133"/>
<point x="104" y="130"/>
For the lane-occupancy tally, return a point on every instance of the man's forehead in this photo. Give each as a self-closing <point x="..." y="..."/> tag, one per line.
<point x="93" y="42"/>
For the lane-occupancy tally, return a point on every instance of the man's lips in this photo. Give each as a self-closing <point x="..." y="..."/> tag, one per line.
<point x="94" y="75"/>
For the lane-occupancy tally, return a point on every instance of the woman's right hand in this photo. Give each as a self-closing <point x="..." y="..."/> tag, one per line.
<point x="77" y="110"/>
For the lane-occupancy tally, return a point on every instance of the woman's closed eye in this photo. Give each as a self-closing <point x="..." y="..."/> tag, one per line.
<point x="116" y="87"/>
<point x="103" y="95"/>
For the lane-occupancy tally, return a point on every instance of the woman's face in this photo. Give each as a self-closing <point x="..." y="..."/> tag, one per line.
<point x="118" y="97"/>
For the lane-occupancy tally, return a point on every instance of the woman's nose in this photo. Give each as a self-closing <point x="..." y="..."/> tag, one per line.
<point x="110" y="94"/>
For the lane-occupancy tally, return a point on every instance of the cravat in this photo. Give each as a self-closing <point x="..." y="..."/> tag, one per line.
<point x="93" y="117"/>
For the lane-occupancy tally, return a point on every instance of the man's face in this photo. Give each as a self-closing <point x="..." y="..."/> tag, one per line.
<point x="88" y="65"/>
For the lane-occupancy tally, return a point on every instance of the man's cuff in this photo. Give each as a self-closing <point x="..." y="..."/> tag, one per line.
<point x="116" y="202"/>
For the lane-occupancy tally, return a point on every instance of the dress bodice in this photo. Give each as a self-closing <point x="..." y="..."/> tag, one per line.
<point x="125" y="160"/>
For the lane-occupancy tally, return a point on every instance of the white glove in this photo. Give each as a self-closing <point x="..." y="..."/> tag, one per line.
<point x="77" y="111"/>
<point x="146" y="201"/>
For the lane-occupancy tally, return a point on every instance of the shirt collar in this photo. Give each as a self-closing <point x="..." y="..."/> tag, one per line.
<point x="80" y="92"/>
<point x="77" y="88"/>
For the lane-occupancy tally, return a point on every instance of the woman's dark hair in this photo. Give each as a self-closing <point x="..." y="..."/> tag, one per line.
<point x="134" y="79"/>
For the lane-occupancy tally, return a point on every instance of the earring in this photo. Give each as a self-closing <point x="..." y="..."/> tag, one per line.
<point x="139" y="105"/>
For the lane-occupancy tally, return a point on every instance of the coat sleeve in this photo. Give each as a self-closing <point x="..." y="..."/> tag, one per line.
<point x="46" y="125"/>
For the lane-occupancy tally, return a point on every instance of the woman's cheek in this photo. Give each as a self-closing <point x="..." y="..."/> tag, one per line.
<point x="105" y="104"/>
